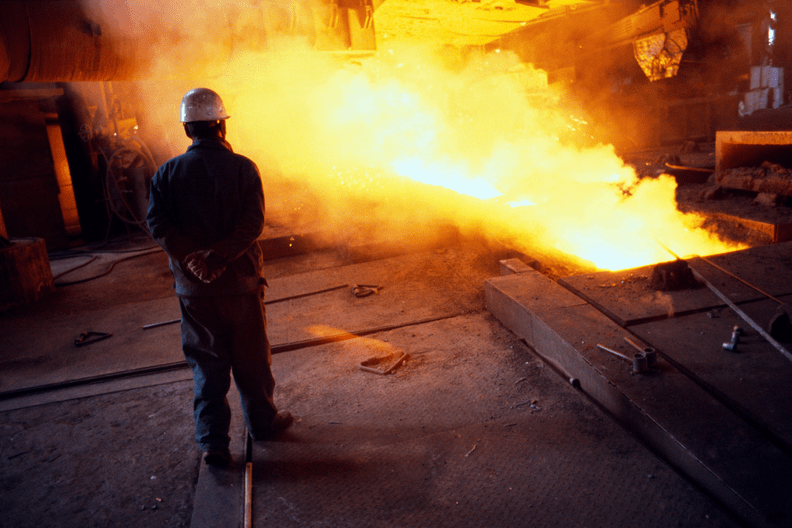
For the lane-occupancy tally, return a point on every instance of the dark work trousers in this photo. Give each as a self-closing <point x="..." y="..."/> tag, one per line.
<point x="221" y="335"/>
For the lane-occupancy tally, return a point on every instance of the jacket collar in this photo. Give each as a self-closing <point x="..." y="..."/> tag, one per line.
<point x="210" y="143"/>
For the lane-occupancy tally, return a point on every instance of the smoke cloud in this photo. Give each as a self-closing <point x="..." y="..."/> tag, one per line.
<point x="411" y="139"/>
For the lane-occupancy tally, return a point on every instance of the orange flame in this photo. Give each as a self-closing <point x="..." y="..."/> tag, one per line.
<point x="398" y="142"/>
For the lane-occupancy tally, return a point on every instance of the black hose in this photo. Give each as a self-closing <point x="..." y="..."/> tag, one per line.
<point x="96" y="247"/>
<point x="62" y="273"/>
<point x="107" y="271"/>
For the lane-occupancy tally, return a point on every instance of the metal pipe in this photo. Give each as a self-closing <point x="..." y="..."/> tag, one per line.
<point x="606" y="349"/>
<point x="639" y="362"/>
<point x="248" y="521"/>
<point x="743" y="315"/>
<point x="649" y="352"/>
<point x="67" y="41"/>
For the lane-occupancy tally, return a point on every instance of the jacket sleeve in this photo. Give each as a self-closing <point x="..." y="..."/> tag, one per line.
<point x="249" y="225"/>
<point x="161" y="221"/>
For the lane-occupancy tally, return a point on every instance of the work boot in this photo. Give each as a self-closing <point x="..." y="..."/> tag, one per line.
<point x="281" y="422"/>
<point x="217" y="458"/>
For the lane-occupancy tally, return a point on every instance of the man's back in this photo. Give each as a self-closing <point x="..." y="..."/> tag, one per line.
<point x="209" y="198"/>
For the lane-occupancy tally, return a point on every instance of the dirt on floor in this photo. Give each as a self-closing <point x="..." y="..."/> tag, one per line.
<point x="123" y="459"/>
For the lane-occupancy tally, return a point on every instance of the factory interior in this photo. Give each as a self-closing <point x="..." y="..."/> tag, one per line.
<point x="528" y="262"/>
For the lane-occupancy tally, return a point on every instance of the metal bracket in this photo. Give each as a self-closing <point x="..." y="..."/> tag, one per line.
<point x="368" y="365"/>
<point x="364" y="290"/>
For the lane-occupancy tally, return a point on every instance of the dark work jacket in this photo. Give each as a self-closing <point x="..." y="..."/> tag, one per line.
<point x="210" y="198"/>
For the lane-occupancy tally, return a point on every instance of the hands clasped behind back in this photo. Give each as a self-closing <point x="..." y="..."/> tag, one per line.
<point x="198" y="264"/>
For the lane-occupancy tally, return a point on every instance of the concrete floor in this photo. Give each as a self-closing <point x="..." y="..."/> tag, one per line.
<point x="473" y="430"/>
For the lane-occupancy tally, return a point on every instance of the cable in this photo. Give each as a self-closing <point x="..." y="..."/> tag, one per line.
<point x="110" y="176"/>
<point x="61" y="274"/>
<point x="140" y="151"/>
<point x="86" y="252"/>
<point x="107" y="271"/>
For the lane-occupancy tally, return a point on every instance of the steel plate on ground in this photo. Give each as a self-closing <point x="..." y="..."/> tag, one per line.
<point x="414" y="287"/>
<point x="470" y="432"/>
<point x="747" y="378"/>
<point x="627" y="297"/>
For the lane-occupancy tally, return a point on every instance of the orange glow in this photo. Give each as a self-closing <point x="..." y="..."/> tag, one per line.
<point x="400" y="143"/>
<point x="374" y="347"/>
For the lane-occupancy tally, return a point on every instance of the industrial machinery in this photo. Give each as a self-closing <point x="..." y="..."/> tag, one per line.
<point x="667" y="72"/>
<point x="43" y="42"/>
<point x="70" y="40"/>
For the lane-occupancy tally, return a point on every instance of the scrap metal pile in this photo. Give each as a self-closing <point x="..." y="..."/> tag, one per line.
<point x="768" y="177"/>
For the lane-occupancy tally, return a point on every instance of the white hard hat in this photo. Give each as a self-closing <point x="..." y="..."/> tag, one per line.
<point x="202" y="104"/>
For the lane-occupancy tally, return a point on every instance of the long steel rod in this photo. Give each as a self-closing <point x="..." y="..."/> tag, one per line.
<point x="606" y="349"/>
<point x="778" y="346"/>
<point x="248" y="521"/>
<point x="284" y="299"/>
<point x="743" y="315"/>
<point x="156" y="369"/>
<point x="732" y="275"/>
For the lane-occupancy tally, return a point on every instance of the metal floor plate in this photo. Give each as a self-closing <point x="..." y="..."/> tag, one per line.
<point x="466" y="434"/>
<point x="626" y="297"/>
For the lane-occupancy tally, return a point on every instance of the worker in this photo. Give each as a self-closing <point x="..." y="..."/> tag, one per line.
<point x="206" y="210"/>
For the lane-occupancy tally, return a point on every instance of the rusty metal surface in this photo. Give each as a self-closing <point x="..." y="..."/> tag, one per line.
<point x="413" y="287"/>
<point x="473" y="431"/>
<point x="627" y="298"/>
<point x="40" y="350"/>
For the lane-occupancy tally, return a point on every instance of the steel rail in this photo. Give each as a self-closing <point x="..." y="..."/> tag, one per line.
<point x="167" y="367"/>
<point x="266" y="303"/>
<point x="732" y="275"/>
<point x="778" y="346"/>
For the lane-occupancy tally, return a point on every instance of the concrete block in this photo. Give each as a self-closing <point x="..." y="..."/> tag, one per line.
<point x="751" y="148"/>
<point x="762" y="99"/>
<point x="766" y="76"/>
<point x="509" y="296"/>
<point x="748" y="103"/>
<point x="767" y="199"/>
<point x="776" y="97"/>
<point x="756" y="77"/>
<point x="770" y="77"/>
<point x="507" y="308"/>
<point x="513" y="266"/>
<point x="669" y="412"/>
